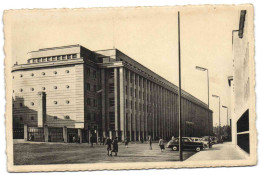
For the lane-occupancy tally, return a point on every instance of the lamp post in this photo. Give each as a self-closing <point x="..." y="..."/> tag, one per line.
<point x="216" y="96"/>
<point x="205" y="69"/>
<point x="227" y="112"/>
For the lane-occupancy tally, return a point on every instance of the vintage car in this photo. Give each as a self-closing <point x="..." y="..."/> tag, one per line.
<point x="187" y="144"/>
<point x="200" y="140"/>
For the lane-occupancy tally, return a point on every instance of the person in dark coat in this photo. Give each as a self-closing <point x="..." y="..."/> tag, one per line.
<point x="126" y="142"/>
<point x="109" y="143"/>
<point x="150" y="142"/>
<point x="91" y="140"/>
<point x="161" y="144"/>
<point x="115" y="146"/>
<point x="104" y="140"/>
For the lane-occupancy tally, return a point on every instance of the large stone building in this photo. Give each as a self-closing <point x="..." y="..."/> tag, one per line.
<point x="241" y="107"/>
<point x="70" y="91"/>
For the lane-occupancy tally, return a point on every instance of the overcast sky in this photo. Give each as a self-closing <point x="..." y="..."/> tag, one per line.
<point x="148" y="35"/>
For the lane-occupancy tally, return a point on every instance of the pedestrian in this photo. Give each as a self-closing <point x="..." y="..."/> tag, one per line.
<point x="150" y="142"/>
<point x="161" y="144"/>
<point x="115" y="146"/>
<point x="108" y="143"/>
<point x="74" y="139"/>
<point x="91" y="140"/>
<point x="126" y="142"/>
<point x="100" y="140"/>
<point x="142" y="140"/>
<point x="104" y="140"/>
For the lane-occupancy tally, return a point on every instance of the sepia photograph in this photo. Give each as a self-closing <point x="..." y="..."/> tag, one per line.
<point x="130" y="88"/>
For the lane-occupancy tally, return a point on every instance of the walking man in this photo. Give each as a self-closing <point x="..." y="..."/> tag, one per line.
<point x="126" y="142"/>
<point x="161" y="144"/>
<point x="115" y="146"/>
<point x="108" y="143"/>
<point x="150" y="142"/>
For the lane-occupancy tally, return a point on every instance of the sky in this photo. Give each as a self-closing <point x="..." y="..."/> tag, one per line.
<point x="148" y="35"/>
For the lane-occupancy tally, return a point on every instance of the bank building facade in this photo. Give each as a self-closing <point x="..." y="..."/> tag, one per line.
<point x="70" y="91"/>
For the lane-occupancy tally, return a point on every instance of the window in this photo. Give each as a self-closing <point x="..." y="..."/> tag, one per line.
<point x="32" y="89"/>
<point x="32" y="74"/>
<point x="21" y="104"/>
<point x="67" y="117"/>
<point x="111" y="74"/>
<point x="34" y="60"/>
<point x="74" y="56"/>
<point x="13" y="77"/>
<point x="111" y="88"/>
<point x="21" y="118"/>
<point x="126" y="90"/>
<point x="67" y="71"/>
<point x="55" y="72"/>
<point x="43" y="88"/>
<point x="88" y="116"/>
<point x="94" y="88"/>
<point x="94" y="102"/>
<point x="55" y="117"/>
<point x="126" y="75"/>
<point x="13" y="91"/>
<point x="49" y="58"/>
<point x="58" y="58"/>
<point x="63" y="57"/>
<point x="88" y="71"/>
<point x="21" y="75"/>
<point x="43" y="73"/>
<point x="131" y="105"/>
<point x="44" y="59"/>
<point x="67" y="86"/>
<point x="32" y="118"/>
<point x="94" y="74"/>
<point x="88" y="101"/>
<point x="131" y="91"/>
<point x="88" y="86"/>
<point x="135" y="105"/>
<point x="32" y="103"/>
<point x="55" y="58"/>
<point x="55" y="102"/>
<point x="135" y="93"/>
<point x="140" y="94"/>
<point x="69" y="56"/>
<point x="67" y="101"/>
<point x="21" y="90"/>
<point x="126" y="103"/>
<point x="55" y="87"/>
<point x="111" y="102"/>
<point x="131" y="77"/>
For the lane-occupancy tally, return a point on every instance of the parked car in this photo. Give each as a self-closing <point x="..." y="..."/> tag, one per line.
<point x="188" y="144"/>
<point x="201" y="140"/>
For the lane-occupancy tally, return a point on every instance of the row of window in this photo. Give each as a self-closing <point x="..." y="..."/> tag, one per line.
<point x="43" y="73"/>
<point x="52" y="58"/>
<point x="43" y="88"/>
<point x="94" y="104"/>
<point x="54" y="117"/>
<point x="92" y="117"/>
<point x="131" y="105"/>
<point x="55" y="102"/>
<point x="94" y="73"/>
<point x="135" y="94"/>
<point x="88" y="86"/>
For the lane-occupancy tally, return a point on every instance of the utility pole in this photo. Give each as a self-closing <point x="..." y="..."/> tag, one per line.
<point x="180" y="117"/>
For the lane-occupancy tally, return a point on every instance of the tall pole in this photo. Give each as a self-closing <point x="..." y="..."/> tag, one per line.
<point x="180" y="122"/>
<point x="208" y="109"/>
<point x="219" y="117"/>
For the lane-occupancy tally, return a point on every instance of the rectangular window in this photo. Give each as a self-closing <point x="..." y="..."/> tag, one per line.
<point x="32" y="118"/>
<point x="126" y="75"/>
<point x="94" y="102"/>
<point x="74" y="56"/>
<point x="126" y="103"/>
<point x="111" y="88"/>
<point x="111" y="74"/>
<point x="88" y="86"/>
<point x="63" y="57"/>
<point x="111" y="102"/>
<point x="131" y="77"/>
<point x="88" y="116"/>
<point x="88" y="102"/>
<point x="94" y="88"/>
<point x="131" y="91"/>
<point x="94" y="74"/>
<point x="135" y="105"/>
<point x="126" y="90"/>
<point x="58" y="57"/>
<point x="69" y="56"/>
<point x="131" y="105"/>
<point x="88" y="71"/>
<point x="135" y="93"/>
<point x="140" y="94"/>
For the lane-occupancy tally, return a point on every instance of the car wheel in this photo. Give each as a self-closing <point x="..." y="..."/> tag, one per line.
<point x="174" y="148"/>
<point x="198" y="149"/>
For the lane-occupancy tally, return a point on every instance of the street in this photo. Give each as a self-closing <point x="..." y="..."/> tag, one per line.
<point x="225" y="151"/>
<point x="33" y="153"/>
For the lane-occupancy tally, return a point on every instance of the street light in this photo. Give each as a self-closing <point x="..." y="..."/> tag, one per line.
<point x="227" y="112"/>
<point x="216" y="96"/>
<point x="205" y="69"/>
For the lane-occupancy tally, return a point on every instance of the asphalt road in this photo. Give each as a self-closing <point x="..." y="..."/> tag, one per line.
<point x="69" y="153"/>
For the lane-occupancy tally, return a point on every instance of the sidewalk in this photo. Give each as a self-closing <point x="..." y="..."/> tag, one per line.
<point x="225" y="151"/>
